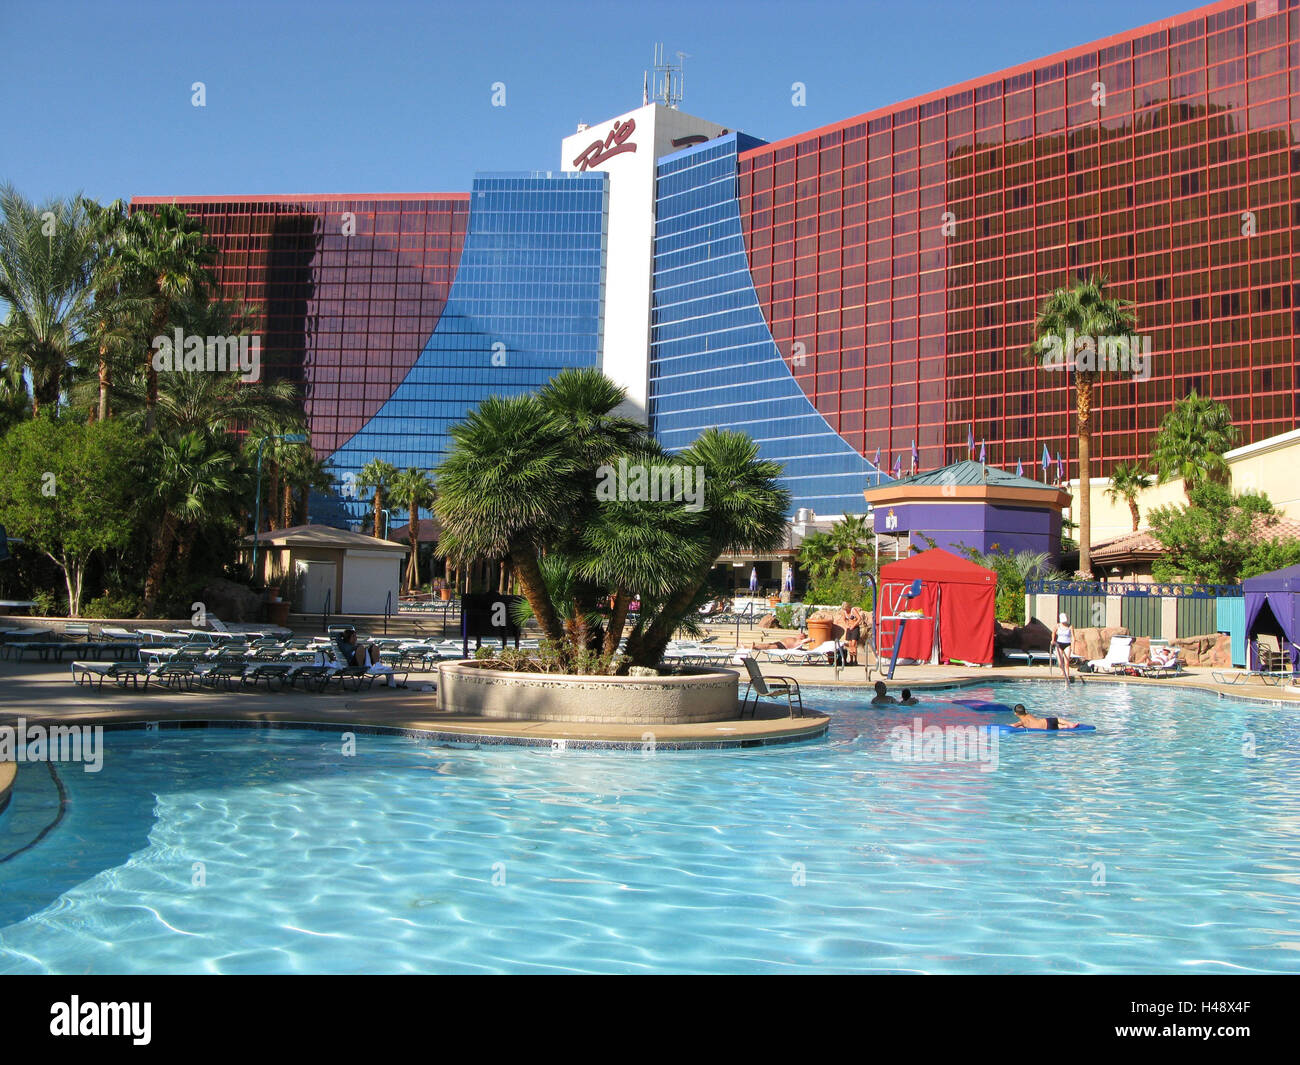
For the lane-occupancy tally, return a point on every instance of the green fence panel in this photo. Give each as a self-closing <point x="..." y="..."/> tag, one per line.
<point x="1197" y="616"/>
<point x="1084" y="611"/>
<point x="1141" y="615"/>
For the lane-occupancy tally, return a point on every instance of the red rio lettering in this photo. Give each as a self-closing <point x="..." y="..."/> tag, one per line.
<point x="598" y="151"/>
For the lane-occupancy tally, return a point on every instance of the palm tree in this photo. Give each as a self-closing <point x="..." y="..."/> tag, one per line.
<point x="817" y="555"/>
<point x="1128" y="482"/>
<point x="509" y="486"/>
<point x="166" y="258"/>
<point x="47" y="255"/>
<point x="1084" y="311"/>
<point x="850" y="540"/>
<point x="195" y="477"/>
<point x="1192" y="441"/>
<point x="744" y="509"/>
<point x="413" y="487"/>
<point x="639" y="548"/>
<point x="379" y="475"/>
<point x="303" y="473"/>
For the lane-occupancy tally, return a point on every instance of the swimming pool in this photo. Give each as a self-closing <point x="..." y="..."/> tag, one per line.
<point x="1156" y="844"/>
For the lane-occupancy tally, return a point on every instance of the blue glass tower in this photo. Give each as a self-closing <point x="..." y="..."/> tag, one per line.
<point x="713" y="361"/>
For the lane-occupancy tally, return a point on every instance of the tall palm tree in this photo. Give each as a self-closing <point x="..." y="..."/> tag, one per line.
<point x="166" y="258"/>
<point x="379" y="475"/>
<point x="817" y="554"/>
<point x="47" y="256"/>
<point x="1084" y="310"/>
<point x="195" y="476"/>
<point x="508" y="486"/>
<point x="414" y="488"/>
<point x="744" y="509"/>
<point x="303" y="473"/>
<point x="1127" y="482"/>
<point x="1191" y="443"/>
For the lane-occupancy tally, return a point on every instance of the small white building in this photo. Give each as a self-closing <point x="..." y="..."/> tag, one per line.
<point x="312" y="562"/>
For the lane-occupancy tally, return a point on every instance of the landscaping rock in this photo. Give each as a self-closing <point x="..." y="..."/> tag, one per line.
<point x="767" y="621"/>
<point x="229" y="601"/>
<point x="1034" y="636"/>
<point x="1212" y="649"/>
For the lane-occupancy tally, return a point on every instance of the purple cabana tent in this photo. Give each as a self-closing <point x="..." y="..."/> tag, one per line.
<point x="1273" y="606"/>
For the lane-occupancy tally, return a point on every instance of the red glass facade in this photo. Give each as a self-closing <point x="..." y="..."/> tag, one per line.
<point x="344" y="315"/>
<point x="900" y="257"/>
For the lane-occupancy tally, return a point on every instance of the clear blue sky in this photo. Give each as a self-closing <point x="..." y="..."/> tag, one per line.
<point x="370" y="96"/>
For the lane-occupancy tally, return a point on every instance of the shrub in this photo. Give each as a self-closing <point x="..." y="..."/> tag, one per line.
<point x="839" y="588"/>
<point x="109" y="605"/>
<point x="50" y="604"/>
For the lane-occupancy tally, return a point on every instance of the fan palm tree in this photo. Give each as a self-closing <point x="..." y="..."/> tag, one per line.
<point x="1084" y="311"/>
<point x="379" y="475"/>
<point x="195" y="477"/>
<point x="414" y="488"/>
<point x="1192" y="441"/>
<point x="165" y="259"/>
<point x="509" y="486"/>
<point x="817" y="555"/>
<point x="744" y="509"/>
<point x="303" y="473"/>
<point x="47" y="256"/>
<point x="1127" y="482"/>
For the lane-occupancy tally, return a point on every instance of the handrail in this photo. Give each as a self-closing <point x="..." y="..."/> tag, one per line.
<point x="388" y="610"/>
<point x="325" y="611"/>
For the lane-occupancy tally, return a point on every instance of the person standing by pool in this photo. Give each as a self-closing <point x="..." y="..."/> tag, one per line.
<point x="1061" y="643"/>
<point x="852" y="630"/>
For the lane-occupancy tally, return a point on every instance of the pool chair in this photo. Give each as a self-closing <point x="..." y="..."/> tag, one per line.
<point x="1173" y="667"/>
<point x="807" y="656"/>
<point x="1028" y="658"/>
<point x="761" y="687"/>
<point x="123" y="674"/>
<point x="1117" y="655"/>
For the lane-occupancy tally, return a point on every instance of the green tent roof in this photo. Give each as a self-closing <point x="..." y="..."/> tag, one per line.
<point x="968" y="472"/>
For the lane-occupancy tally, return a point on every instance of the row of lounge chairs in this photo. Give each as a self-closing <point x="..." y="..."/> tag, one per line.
<point x="1278" y="667"/>
<point x="1118" y="660"/>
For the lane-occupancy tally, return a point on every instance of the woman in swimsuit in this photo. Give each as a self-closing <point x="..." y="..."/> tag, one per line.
<point x="1063" y="639"/>
<point x="852" y="630"/>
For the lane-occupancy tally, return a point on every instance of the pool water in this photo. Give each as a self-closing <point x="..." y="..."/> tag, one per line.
<point x="1157" y="844"/>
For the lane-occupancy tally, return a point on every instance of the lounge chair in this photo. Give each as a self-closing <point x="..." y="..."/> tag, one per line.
<point x="1117" y="655"/>
<point x="121" y="673"/>
<point x="825" y="652"/>
<point x="1029" y="658"/>
<point x="1172" y="668"/>
<point x="762" y="687"/>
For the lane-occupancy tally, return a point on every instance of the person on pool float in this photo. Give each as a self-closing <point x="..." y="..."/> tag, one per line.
<point x="1026" y="720"/>
<point x="1061" y="642"/>
<point x="906" y="699"/>
<point x="882" y="695"/>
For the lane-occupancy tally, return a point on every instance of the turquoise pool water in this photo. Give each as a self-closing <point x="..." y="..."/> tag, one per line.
<point x="1154" y="845"/>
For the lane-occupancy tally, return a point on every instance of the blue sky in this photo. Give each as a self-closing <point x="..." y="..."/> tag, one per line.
<point x="328" y="96"/>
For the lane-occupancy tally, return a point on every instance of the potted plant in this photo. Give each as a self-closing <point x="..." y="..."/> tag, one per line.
<point x="821" y="626"/>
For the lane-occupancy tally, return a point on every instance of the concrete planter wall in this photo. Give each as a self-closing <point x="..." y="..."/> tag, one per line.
<point x="700" y="695"/>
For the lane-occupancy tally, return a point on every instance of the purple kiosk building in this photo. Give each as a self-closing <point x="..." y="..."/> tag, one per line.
<point x="969" y="504"/>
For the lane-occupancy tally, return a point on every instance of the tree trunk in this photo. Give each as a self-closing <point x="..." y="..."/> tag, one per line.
<point x="1133" y="510"/>
<point x="286" y="507"/>
<point x="273" y="497"/>
<point x="379" y="506"/>
<point x="162" y="555"/>
<point x="1084" y="388"/>
<point x="617" y="619"/>
<point x="104" y="383"/>
<point x="413" y="566"/>
<point x="150" y="374"/>
<point x="534" y="586"/>
<point x="651" y="643"/>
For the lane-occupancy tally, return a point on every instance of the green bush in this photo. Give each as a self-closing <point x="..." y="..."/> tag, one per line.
<point x="113" y="606"/>
<point x="839" y="588"/>
<point x="50" y="604"/>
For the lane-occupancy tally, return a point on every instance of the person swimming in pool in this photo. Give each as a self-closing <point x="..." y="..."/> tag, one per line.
<point x="882" y="695"/>
<point x="1026" y="720"/>
<point x="906" y="698"/>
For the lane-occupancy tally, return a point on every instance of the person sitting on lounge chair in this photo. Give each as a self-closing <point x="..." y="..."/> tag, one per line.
<point x="882" y="695"/>
<point x="364" y="656"/>
<point x="1164" y="657"/>
<point x="1026" y="720"/>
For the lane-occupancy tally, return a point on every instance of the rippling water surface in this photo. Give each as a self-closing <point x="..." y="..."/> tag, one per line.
<point x="1157" y="844"/>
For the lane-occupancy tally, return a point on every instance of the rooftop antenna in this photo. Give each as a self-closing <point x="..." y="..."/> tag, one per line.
<point x="670" y="80"/>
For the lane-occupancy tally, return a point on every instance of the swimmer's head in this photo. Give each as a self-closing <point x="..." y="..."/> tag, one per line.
<point x="1019" y="710"/>
<point x="907" y="693"/>
<point x="880" y="687"/>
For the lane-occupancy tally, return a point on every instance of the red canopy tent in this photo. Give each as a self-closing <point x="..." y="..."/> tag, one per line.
<point x="959" y="593"/>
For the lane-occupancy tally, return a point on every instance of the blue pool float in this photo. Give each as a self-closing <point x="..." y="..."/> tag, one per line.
<point x="1012" y="730"/>
<point x="1002" y="708"/>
